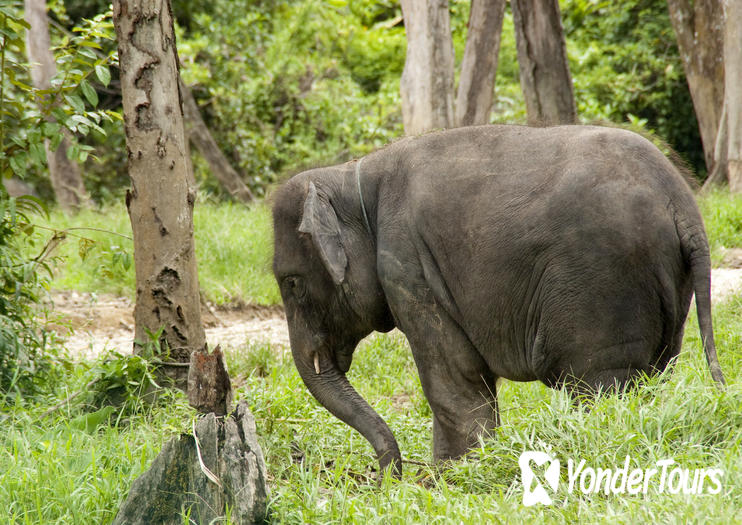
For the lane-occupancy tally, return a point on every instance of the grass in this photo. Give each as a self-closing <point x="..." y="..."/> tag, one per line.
<point x="233" y="249"/>
<point x="321" y="471"/>
<point x="722" y="214"/>
<point x="681" y="417"/>
<point x="54" y="471"/>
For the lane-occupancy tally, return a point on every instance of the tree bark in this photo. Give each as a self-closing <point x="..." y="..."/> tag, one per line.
<point x="479" y="66"/>
<point x="160" y="201"/>
<point x="542" y="58"/>
<point x="218" y="470"/>
<point x="427" y="80"/>
<point x="699" y="30"/>
<point x="200" y="136"/>
<point x="64" y="174"/>
<point x="733" y="92"/>
<point x="718" y="174"/>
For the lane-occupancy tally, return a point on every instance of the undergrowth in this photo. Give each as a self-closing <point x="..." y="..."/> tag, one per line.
<point x="65" y="468"/>
<point x="234" y="247"/>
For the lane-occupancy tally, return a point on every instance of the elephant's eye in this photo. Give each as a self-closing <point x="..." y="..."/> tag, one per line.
<point x="294" y="285"/>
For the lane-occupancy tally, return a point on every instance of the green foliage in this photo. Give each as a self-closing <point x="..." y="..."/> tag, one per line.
<point x="626" y="66"/>
<point x="97" y="252"/>
<point x="287" y="85"/>
<point x="124" y="381"/>
<point x="76" y="466"/>
<point x="25" y="364"/>
<point x="32" y="116"/>
<point x="286" y="95"/>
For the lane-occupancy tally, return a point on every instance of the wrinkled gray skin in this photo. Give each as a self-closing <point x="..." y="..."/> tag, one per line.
<point x="567" y="255"/>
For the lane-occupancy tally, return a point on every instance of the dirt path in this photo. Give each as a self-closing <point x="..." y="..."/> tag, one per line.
<point x="98" y="323"/>
<point x="93" y="324"/>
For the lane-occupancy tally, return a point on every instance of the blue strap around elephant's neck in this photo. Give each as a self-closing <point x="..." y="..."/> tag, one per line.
<point x="360" y="195"/>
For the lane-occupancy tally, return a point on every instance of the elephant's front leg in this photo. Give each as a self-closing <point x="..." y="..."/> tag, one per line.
<point x="456" y="381"/>
<point x="455" y="378"/>
<point x="455" y="436"/>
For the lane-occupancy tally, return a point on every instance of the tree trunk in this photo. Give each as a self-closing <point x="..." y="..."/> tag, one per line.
<point x="160" y="201"/>
<point x="200" y="136"/>
<point x="718" y="174"/>
<point x="67" y="184"/>
<point x="699" y="30"/>
<point x="478" y="68"/>
<point x="542" y="58"/>
<point x="733" y="92"/>
<point x="427" y="80"/>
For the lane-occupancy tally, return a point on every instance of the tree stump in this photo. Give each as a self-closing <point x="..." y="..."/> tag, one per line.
<point x="209" y="387"/>
<point x="223" y="468"/>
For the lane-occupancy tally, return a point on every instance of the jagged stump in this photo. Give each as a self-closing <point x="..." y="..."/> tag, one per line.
<point x="202" y="475"/>
<point x="178" y="482"/>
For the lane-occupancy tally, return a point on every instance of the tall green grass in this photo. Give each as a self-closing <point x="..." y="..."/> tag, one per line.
<point x="233" y="248"/>
<point x="322" y="471"/>
<point x="722" y="215"/>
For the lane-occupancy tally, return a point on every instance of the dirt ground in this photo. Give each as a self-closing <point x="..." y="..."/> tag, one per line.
<point x="95" y="323"/>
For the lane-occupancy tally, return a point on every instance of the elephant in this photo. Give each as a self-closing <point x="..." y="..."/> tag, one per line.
<point x="565" y="254"/>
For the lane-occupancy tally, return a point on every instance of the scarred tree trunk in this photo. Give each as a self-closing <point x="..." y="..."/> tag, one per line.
<point x="699" y="29"/>
<point x="478" y="68"/>
<point x="160" y="201"/>
<point x="64" y="174"/>
<point x="201" y="137"/>
<point x="733" y="92"/>
<point x="542" y="58"/>
<point x="427" y="79"/>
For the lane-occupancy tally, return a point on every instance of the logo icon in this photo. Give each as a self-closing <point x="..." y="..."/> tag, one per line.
<point x="533" y="490"/>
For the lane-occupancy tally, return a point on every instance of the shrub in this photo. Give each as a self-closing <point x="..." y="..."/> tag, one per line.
<point x="25" y="360"/>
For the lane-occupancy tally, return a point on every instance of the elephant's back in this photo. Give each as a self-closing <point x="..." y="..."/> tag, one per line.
<point x="572" y="224"/>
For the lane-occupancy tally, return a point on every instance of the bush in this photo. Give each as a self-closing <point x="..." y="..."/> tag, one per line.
<point x="25" y="361"/>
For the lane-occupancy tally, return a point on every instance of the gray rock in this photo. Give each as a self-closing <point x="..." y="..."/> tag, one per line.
<point x="176" y="484"/>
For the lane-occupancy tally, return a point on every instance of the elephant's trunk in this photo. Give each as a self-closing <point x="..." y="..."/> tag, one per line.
<point x="333" y="390"/>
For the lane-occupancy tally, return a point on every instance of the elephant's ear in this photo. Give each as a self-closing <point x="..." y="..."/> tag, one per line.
<point x="321" y="222"/>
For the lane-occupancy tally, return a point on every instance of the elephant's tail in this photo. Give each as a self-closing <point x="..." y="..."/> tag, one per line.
<point x="696" y="253"/>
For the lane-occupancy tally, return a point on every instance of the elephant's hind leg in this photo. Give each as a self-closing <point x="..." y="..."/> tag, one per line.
<point x="611" y="380"/>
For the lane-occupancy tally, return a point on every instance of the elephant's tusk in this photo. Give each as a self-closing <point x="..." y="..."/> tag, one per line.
<point x="316" y="363"/>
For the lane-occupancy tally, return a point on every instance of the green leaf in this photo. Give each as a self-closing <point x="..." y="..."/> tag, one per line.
<point x="55" y="141"/>
<point x="89" y="422"/>
<point x="76" y="102"/>
<point x="84" y="51"/>
<point x="72" y="152"/>
<point x="37" y="153"/>
<point x="89" y="93"/>
<point x="50" y="129"/>
<point x="89" y="43"/>
<point x="18" y="167"/>
<point x="103" y="74"/>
